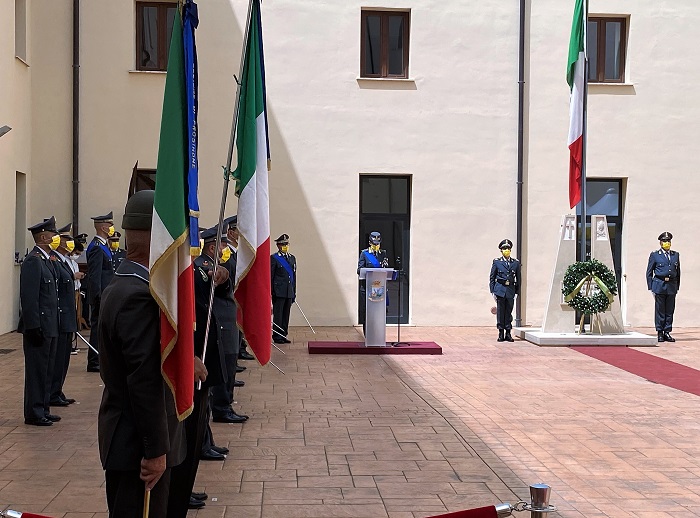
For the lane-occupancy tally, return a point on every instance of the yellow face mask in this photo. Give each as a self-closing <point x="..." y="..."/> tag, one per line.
<point x="284" y="248"/>
<point x="110" y="231"/>
<point x="506" y="252"/>
<point x="374" y="248"/>
<point x="225" y="255"/>
<point x="70" y="246"/>
<point x="114" y="245"/>
<point x="55" y="242"/>
<point x="666" y="245"/>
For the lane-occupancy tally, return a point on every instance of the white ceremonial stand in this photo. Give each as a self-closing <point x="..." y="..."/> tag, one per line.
<point x="375" y="314"/>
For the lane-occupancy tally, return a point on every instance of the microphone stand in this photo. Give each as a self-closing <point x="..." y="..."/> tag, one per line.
<point x="398" y="342"/>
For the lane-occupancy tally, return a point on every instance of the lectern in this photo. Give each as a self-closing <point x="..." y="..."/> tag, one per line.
<point x="375" y="316"/>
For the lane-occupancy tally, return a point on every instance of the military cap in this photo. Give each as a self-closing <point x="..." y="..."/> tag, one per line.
<point x="80" y="238"/>
<point x="506" y="243"/>
<point x="66" y="231"/>
<point x="115" y="237"/>
<point x="665" y="236"/>
<point x="375" y="238"/>
<point x="48" y="225"/>
<point x="209" y="235"/>
<point x="282" y="240"/>
<point x="103" y="219"/>
<point x="231" y="222"/>
<point x="138" y="213"/>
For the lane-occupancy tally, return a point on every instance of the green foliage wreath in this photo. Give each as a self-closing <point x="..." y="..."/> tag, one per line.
<point x="589" y="287"/>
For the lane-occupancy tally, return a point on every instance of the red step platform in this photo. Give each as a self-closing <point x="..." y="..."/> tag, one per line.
<point x="359" y="348"/>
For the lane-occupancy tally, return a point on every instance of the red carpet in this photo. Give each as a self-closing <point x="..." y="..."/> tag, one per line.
<point x="648" y="366"/>
<point x="359" y="348"/>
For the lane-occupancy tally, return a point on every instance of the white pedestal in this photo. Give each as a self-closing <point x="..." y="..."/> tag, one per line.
<point x="629" y="339"/>
<point x="375" y="316"/>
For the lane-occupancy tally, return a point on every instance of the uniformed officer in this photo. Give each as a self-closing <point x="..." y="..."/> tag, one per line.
<point x="664" y="281"/>
<point x="68" y="322"/>
<point x="118" y="253"/>
<point x="140" y="438"/>
<point x="283" y="270"/>
<point x="372" y="257"/>
<point x="38" y="322"/>
<point x="232" y="235"/>
<point x="100" y="273"/>
<point x="504" y="285"/>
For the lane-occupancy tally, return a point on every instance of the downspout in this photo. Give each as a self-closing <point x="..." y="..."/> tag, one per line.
<point x="76" y="111"/>
<point x="521" y="152"/>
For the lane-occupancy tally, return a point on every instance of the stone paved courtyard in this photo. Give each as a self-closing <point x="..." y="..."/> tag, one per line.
<point x="398" y="436"/>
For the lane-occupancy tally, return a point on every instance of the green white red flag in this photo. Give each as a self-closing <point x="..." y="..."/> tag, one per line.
<point x="575" y="77"/>
<point x="252" y="291"/>
<point x="171" y="276"/>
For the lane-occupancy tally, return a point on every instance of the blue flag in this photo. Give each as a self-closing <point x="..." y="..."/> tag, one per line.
<point x="190" y="21"/>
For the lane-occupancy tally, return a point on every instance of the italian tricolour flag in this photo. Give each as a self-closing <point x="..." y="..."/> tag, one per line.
<point x="575" y="77"/>
<point x="252" y="291"/>
<point x="171" y="276"/>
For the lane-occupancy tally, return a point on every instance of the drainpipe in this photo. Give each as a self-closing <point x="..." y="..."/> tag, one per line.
<point x="521" y="152"/>
<point x="76" y="111"/>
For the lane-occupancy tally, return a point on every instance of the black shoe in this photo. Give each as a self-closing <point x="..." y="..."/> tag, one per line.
<point x="211" y="455"/>
<point x="42" y="421"/>
<point x="508" y="338"/>
<point x="239" y="415"/>
<point x="223" y="450"/>
<point x="239" y="383"/>
<point x="200" y="496"/>
<point x="245" y="355"/>
<point x="240" y="368"/>
<point x="195" y="504"/>
<point x="286" y="341"/>
<point x="93" y="368"/>
<point x="69" y="400"/>
<point x="58" y="402"/>
<point x="279" y="341"/>
<point x="500" y="336"/>
<point x="669" y="338"/>
<point x="661" y="337"/>
<point x="231" y="418"/>
<point x="53" y="418"/>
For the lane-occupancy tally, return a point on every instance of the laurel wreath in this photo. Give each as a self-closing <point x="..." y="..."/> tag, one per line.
<point x="589" y="287"/>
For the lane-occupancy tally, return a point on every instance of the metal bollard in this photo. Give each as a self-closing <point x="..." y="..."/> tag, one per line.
<point x="539" y="496"/>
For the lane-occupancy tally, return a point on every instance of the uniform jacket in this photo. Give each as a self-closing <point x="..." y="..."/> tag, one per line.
<point x="504" y="280"/>
<point x="38" y="294"/>
<point x="117" y="257"/>
<point x="100" y="269"/>
<point x="67" y="319"/>
<point x="137" y="416"/>
<point x="661" y="268"/>
<point x="284" y="286"/>
<point x="223" y="332"/>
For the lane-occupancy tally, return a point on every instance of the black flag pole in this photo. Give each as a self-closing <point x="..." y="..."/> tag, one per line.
<point x="584" y="136"/>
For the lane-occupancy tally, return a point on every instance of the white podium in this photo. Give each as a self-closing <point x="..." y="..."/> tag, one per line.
<point x="375" y="302"/>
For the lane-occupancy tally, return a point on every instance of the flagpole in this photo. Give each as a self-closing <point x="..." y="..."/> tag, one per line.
<point x="227" y="173"/>
<point x="584" y="135"/>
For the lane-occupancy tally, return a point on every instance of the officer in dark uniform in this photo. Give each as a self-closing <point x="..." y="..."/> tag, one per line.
<point x="232" y="234"/>
<point x="504" y="285"/>
<point x="38" y="322"/>
<point x="371" y="257"/>
<point x="100" y="273"/>
<point x="139" y="435"/>
<point x="223" y="327"/>
<point x="283" y="269"/>
<point x="118" y="253"/>
<point x="664" y="281"/>
<point x="67" y="319"/>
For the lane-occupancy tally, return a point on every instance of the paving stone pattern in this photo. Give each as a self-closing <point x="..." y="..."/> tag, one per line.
<point x="398" y="436"/>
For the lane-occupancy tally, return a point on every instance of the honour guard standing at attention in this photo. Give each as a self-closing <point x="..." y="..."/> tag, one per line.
<point x="118" y="253"/>
<point x="139" y="436"/>
<point x="67" y="319"/>
<point x="100" y="273"/>
<point x="38" y="322"/>
<point x="664" y="281"/>
<point x="504" y="285"/>
<point x="283" y="268"/>
<point x="371" y="257"/>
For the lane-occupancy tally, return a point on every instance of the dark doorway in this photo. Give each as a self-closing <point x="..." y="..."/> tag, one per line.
<point x="385" y="207"/>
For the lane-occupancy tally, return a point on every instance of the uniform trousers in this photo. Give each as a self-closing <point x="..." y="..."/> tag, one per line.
<point x="93" y="358"/>
<point x="183" y="476"/>
<point x="60" y="368"/>
<point x="281" y="306"/>
<point x="39" y="357"/>
<point x="222" y="394"/>
<point x="664" y="307"/>
<point x="504" y="313"/>
<point x="125" y="492"/>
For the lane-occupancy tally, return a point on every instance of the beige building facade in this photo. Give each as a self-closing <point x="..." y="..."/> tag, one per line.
<point x="447" y="133"/>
